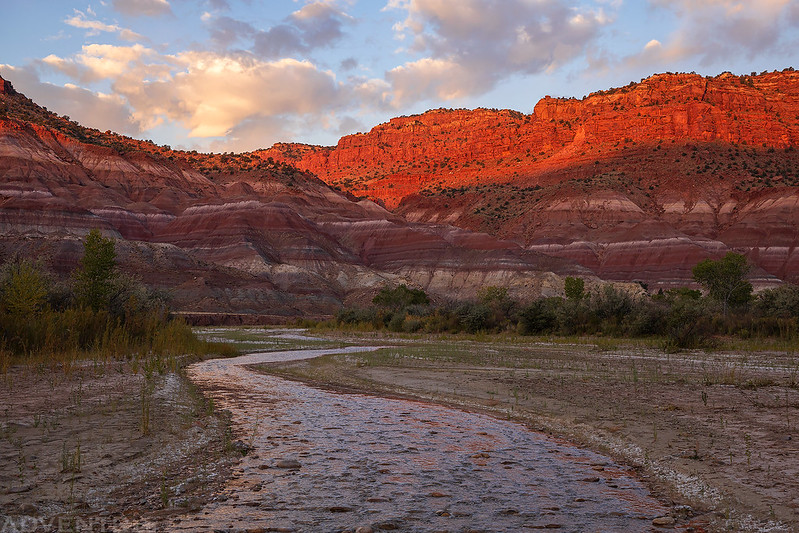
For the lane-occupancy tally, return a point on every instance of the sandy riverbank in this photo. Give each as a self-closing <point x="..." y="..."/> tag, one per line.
<point x="105" y="448"/>
<point x="716" y="432"/>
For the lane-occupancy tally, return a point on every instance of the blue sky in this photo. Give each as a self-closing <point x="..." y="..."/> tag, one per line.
<point x="234" y="75"/>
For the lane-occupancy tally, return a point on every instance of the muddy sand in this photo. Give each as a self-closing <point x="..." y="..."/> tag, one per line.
<point x="712" y="434"/>
<point x="104" y="447"/>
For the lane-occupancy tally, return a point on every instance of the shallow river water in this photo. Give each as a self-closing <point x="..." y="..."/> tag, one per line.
<point x="325" y="461"/>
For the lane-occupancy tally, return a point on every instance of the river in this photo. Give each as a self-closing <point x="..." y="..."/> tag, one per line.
<point x="327" y="461"/>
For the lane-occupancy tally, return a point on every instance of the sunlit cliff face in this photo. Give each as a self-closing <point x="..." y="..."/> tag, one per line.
<point x="632" y="184"/>
<point x="638" y="182"/>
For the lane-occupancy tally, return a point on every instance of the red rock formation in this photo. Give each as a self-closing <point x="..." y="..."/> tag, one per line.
<point x="639" y="182"/>
<point x="230" y="234"/>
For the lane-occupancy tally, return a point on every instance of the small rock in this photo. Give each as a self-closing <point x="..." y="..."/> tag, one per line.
<point x="591" y="479"/>
<point x="364" y="529"/>
<point x="438" y="495"/>
<point x="28" y="509"/>
<point x="240" y="446"/>
<point x="663" y="521"/>
<point x="339" y="509"/>
<point x="289" y="464"/>
<point x="442" y="512"/>
<point x="481" y="455"/>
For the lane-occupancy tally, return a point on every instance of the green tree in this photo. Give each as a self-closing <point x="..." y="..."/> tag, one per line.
<point x="725" y="279"/>
<point x="94" y="280"/>
<point x="24" y="288"/>
<point x="574" y="288"/>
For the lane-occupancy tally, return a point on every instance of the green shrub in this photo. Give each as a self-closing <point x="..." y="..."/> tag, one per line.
<point x="539" y="317"/>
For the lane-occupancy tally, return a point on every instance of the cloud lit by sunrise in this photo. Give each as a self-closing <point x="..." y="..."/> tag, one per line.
<point x="308" y="68"/>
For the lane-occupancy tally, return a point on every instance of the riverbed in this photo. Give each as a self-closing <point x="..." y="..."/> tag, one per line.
<point x="331" y="461"/>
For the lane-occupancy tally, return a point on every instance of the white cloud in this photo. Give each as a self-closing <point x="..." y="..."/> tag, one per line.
<point x="315" y="25"/>
<point x="95" y="110"/>
<point x="468" y="46"/>
<point x="147" y="8"/>
<point x="714" y="32"/>
<point x="430" y="78"/>
<point x="79" y="20"/>
<point x="106" y="62"/>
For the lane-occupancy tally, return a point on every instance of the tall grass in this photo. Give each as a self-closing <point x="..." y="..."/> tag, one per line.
<point x="63" y="337"/>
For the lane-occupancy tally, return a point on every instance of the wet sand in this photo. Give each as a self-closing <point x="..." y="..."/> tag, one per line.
<point x="105" y="448"/>
<point x="713" y="435"/>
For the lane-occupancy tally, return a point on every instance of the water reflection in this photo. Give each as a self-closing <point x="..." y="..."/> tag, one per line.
<point x="324" y="461"/>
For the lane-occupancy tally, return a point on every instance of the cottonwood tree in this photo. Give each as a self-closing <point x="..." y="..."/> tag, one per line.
<point x="725" y="279"/>
<point x="574" y="288"/>
<point x="94" y="280"/>
<point x="24" y="288"/>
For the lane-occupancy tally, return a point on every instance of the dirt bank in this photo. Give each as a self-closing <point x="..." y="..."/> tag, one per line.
<point x="713" y="431"/>
<point x="105" y="447"/>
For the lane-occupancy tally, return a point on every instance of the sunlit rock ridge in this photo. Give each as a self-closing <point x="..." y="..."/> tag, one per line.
<point x="636" y="183"/>
<point x="232" y="234"/>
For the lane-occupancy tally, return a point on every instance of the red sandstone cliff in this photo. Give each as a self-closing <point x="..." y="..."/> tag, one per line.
<point x="230" y="233"/>
<point x="637" y="183"/>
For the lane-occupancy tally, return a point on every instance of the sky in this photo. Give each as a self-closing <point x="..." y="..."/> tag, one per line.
<point x="238" y="75"/>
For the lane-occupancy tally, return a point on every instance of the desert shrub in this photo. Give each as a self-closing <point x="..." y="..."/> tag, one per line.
<point x="396" y="321"/>
<point x="475" y="317"/>
<point x="400" y="297"/>
<point x="539" y="317"/>
<point x="725" y="280"/>
<point x="608" y="307"/>
<point x="112" y="316"/>
<point x="23" y="288"/>
<point x="780" y="302"/>
<point x="356" y="315"/>
<point x="688" y="325"/>
<point x="647" y="318"/>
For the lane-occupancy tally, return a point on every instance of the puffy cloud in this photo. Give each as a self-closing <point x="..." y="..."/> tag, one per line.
<point x="104" y="61"/>
<point x="470" y="45"/>
<point x="319" y="23"/>
<point x="434" y="78"/>
<point x="213" y="95"/>
<point x="92" y="109"/>
<point x="256" y="132"/>
<point x="147" y="8"/>
<point x="315" y="25"/>
<point x="225" y="30"/>
<point x="717" y="31"/>
<point x="79" y="20"/>
<point x="217" y="93"/>
<point x="210" y="94"/>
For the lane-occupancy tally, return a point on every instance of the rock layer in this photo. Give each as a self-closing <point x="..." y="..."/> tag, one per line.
<point x="264" y="240"/>
<point x="639" y="182"/>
